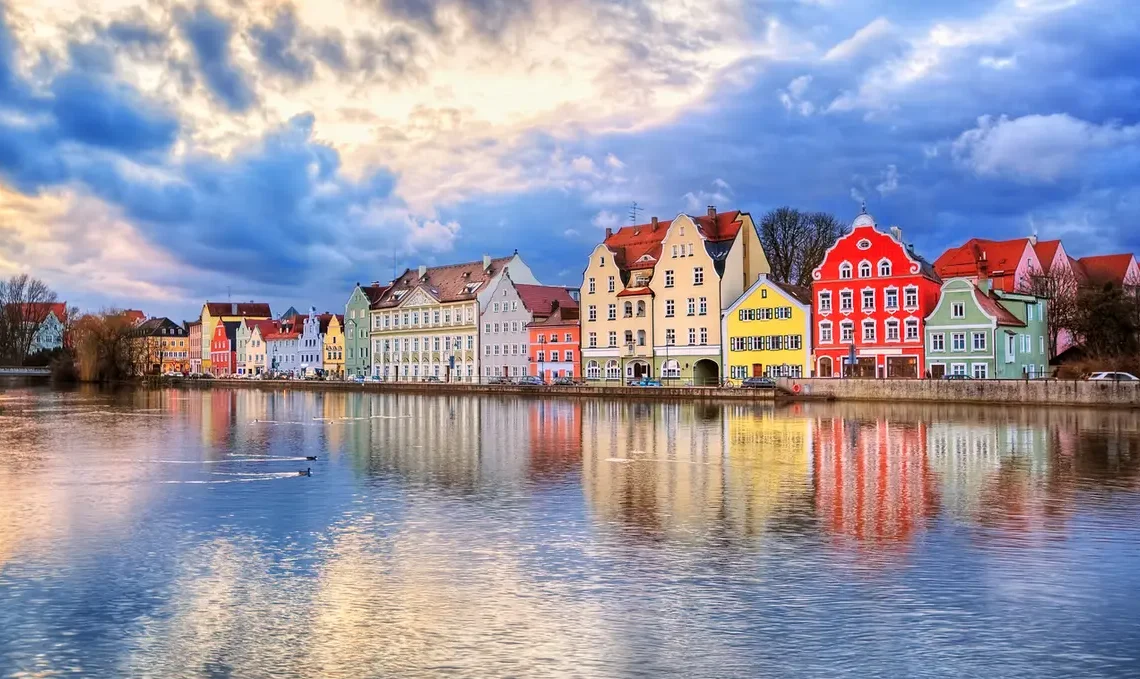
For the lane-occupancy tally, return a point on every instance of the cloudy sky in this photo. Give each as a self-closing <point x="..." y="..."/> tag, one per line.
<point x="153" y="155"/>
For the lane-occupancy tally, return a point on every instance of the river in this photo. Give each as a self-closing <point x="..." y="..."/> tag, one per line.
<point x="167" y="533"/>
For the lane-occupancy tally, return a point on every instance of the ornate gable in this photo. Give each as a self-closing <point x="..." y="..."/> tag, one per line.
<point x="418" y="297"/>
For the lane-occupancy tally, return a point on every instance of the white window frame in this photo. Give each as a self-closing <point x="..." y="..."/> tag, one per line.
<point x="869" y="323"/>
<point x="887" y="299"/>
<point x="865" y="266"/>
<point x="845" y="326"/>
<point x="974" y="337"/>
<point x="954" y="347"/>
<point x="884" y="262"/>
<point x="863" y="305"/>
<point x="985" y="371"/>
<point x="909" y="323"/>
<point x="845" y="268"/>
<point x="892" y="323"/>
<point x="825" y="302"/>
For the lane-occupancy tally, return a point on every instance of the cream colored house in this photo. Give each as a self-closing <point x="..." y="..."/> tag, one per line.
<point x="705" y="264"/>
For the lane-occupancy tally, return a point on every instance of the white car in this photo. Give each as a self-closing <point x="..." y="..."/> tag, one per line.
<point x="1114" y="376"/>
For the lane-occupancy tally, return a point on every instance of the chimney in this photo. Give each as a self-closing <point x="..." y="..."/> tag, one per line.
<point x="233" y="307"/>
<point x="1033" y="240"/>
<point x="654" y="222"/>
<point x="375" y="284"/>
<point x="896" y="233"/>
<point x="712" y="212"/>
<point x="609" y="232"/>
<point x="423" y="270"/>
<point x="983" y="265"/>
<point x="486" y="262"/>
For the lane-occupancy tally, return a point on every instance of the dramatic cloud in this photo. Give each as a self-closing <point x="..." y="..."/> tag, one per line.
<point x="209" y="35"/>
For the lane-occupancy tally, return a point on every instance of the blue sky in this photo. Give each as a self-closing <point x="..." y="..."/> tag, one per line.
<point x="159" y="154"/>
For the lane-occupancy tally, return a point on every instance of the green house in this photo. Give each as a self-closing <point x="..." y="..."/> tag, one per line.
<point x="980" y="333"/>
<point x="357" y="352"/>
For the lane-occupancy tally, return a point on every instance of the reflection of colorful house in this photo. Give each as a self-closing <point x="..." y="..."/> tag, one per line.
<point x="872" y="292"/>
<point x="768" y="465"/>
<point x="555" y="438"/>
<point x="554" y="342"/>
<point x="871" y="478"/>
<point x="768" y="331"/>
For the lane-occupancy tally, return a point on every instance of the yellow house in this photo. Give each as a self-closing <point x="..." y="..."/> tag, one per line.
<point x="706" y="262"/>
<point x="334" y="346"/>
<point x="217" y="312"/>
<point x="768" y="331"/>
<point x="165" y="346"/>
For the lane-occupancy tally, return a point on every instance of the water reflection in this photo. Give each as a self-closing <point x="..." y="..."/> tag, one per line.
<point x="504" y="536"/>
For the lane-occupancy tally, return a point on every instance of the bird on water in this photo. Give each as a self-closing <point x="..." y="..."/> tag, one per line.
<point x="308" y="472"/>
<point x="310" y="457"/>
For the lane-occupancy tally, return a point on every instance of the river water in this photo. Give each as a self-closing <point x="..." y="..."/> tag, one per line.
<point x="166" y="533"/>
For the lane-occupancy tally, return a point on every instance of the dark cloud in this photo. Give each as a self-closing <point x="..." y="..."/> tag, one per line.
<point x="485" y="18"/>
<point x="289" y="49"/>
<point x="133" y="33"/>
<point x="391" y="55"/>
<point x="209" y="36"/>
<point x="94" y="111"/>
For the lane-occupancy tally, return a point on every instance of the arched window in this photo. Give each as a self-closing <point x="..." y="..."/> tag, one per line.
<point x="845" y="270"/>
<point x="864" y="269"/>
<point x="671" y="368"/>
<point x="628" y="309"/>
<point x="629" y="337"/>
<point x="593" y="372"/>
<point x="641" y="309"/>
<point x="885" y="267"/>
<point x="612" y="370"/>
<point x="640" y="338"/>
<point x="825" y="367"/>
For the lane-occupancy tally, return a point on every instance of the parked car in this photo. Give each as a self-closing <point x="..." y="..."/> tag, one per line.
<point x="1114" y="376"/>
<point x="375" y="378"/>
<point x="530" y="381"/>
<point x="646" y="382"/>
<point x="432" y="378"/>
<point x="359" y="379"/>
<point x="565" y="382"/>
<point x="758" y="383"/>
<point x="951" y="376"/>
<point x="205" y="376"/>
<point x="499" y="380"/>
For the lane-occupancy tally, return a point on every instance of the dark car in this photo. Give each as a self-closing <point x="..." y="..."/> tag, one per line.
<point x="499" y="380"/>
<point x="950" y="376"/>
<point x="565" y="382"/>
<point x="530" y="381"/>
<point x="758" y="383"/>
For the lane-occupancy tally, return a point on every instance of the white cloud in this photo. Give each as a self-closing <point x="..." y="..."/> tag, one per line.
<point x="583" y="165"/>
<point x="890" y="181"/>
<point x="863" y="39"/>
<point x="998" y="63"/>
<point x="1035" y="148"/>
<point x="606" y="220"/>
<point x="571" y="233"/>
<point x="722" y="184"/>
<point x="614" y="162"/>
<point x="793" y="97"/>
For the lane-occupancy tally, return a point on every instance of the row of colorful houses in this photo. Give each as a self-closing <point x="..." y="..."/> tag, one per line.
<point x="689" y="301"/>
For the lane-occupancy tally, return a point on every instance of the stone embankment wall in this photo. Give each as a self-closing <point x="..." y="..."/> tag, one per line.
<point x="1009" y="392"/>
<point x="451" y="389"/>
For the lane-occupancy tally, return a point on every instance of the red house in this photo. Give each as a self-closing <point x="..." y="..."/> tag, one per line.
<point x="223" y="348"/>
<point x="870" y="296"/>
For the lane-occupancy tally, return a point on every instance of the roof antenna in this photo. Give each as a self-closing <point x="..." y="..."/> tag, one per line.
<point x="229" y="294"/>
<point x="633" y="210"/>
<point x="863" y="210"/>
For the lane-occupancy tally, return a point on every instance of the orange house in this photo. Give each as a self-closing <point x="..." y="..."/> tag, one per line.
<point x="554" y="344"/>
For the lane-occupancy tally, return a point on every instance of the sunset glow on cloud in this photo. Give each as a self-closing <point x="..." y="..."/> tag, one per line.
<point x="154" y="155"/>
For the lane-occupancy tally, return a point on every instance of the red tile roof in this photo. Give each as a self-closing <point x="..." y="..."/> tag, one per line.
<point x="639" y="247"/>
<point x="238" y="309"/>
<point x="374" y="292"/>
<point x="267" y="327"/>
<point x="1101" y="269"/>
<point x="635" y="292"/>
<point x="37" y="312"/>
<point x="1046" y="250"/>
<point x="540" y="299"/>
<point x="282" y="335"/>
<point x="560" y="316"/>
<point x="447" y="283"/>
<point x="724" y="226"/>
<point x="994" y="308"/>
<point x="1002" y="256"/>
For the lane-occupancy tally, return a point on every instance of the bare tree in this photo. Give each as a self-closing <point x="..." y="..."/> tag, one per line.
<point x="107" y="348"/>
<point x="795" y="242"/>
<point x="24" y="306"/>
<point x="1060" y="287"/>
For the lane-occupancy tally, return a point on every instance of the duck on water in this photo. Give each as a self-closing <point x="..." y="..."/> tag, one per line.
<point x="307" y="472"/>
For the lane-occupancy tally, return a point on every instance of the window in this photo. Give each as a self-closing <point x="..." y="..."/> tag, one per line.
<point x="640" y="338"/>
<point x="864" y="269"/>
<point x="825" y="302"/>
<point x="847" y="331"/>
<point x="692" y="336"/>
<point x="1025" y="343"/>
<point x="891" y="299"/>
<point x="674" y="251"/>
<point x="910" y="297"/>
<point x="612" y="371"/>
<point x="640" y="309"/>
<point x="845" y="270"/>
<point x="514" y="306"/>
<point x="958" y="310"/>
<point x="495" y="307"/>
<point x="593" y="371"/>
<point x="670" y="336"/>
<point x="613" y="338"/>
<point x="958" y="369"/>
<point x="569" y="355"/>
<point x="698" y="275"/>
<point x="627" y="310"/>
<point x="611" y="284"/>
<point x="846" y="301"/>
<point x="911" y="329"/>
<point x="979" y="341"/>
<point x="958" y="341"/>
<point x="611" y="312"/>
<point x="669" y="278"/>
<point x="592" y="312"/>
<point x="692" y="306"/>
<point x="591" y="287"/>
<point x="704" y="336"/>
<point x="981" y="371"/>
<point x="629" y="337"/>
<point x="1028" y="312"/>
<point x="868" y="330"/>
<point x="825" y="332"/>
<point x="593" y="339"/>
<point x="868" y="300"/>
<point x="892" y="326"/>
<point x="884" y="268"/>
<point x="669" y="308"/>
<point x="671" y="368"/>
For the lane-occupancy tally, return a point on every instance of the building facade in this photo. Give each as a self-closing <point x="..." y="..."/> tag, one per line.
<point x="51" y="320"/>
<point x="357" y="346"/>
<point x="1007" y="265"/>
<point x="251" y="349"/>
<point x="282" y="350"/>
<point x="871" y="295"/>
<point x="194" y="342"/>
<point x="555" y="343"/>
<point x="312" y="342"/>
<point x="334" y="345"/>
<point x="426" y="324"/>
<point x="706" y="263"/>
<point x="223" y="349"/>
<point x="505" y="316"/>
<point x="768" y="332"/>
<point x="166" y="346"/>
<point x="216" y="312"/>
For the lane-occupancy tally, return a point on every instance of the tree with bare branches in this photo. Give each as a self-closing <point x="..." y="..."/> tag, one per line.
<point x="795" y="242"/>
<point x="107" y="348"/>
<point x="1060" y="287"/>
<point x="24" y="306"/>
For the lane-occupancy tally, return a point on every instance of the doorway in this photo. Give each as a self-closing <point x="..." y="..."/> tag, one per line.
<point x="937" y="371"/>
<point x="757" y="369"/>
<point x="706" y="372"/>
